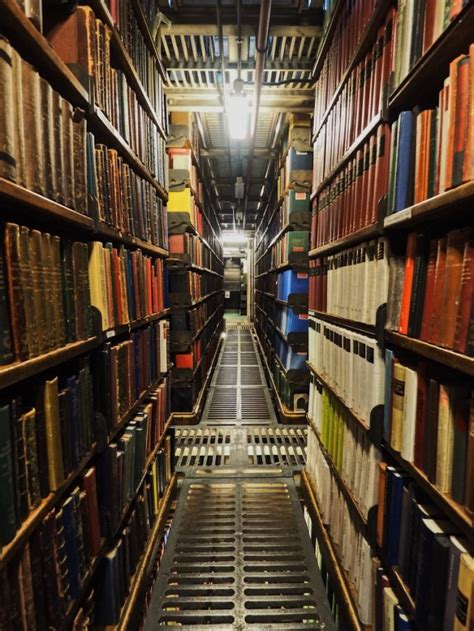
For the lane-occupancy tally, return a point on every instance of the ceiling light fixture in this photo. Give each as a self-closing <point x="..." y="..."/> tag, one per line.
<point x="238" y="112"/>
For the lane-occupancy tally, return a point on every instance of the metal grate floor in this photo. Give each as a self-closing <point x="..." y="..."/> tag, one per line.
<point x="239" y="558"/>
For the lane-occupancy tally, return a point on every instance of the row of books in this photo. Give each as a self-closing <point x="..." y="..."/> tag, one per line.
<point x="45" y="300"/>
<point x="44" y="436"/>
<point x="42" y="139"/>
<point x="48" y="150"/>
<point x="291" y="249"/>
<point x="125" y="19"/>
<point x="427" y="420"/>
<point x="84" y="43"/>
<point x="187" y="287"/>
<point x="345" y="39"/>
<point x="119" y="197"/>
<point x="41" y="583"/>
<point x="351" y="200"/>
<point x="351" y="284"/>
<point x="120" y="469"/>
<point x="188" y="322"/>
<point x="117" y="568"/>
<point x="352" y="453"/>
<point x="125" y="285"/>
<point x="190" y="249"/>
<point x="363" y="97"/>
<point x="190" y="359"/>
<point x="431" y="290"/>
<point x="124" y="370"/>
<point x="353" y="550"/>
<point x="432" y="558"/>
<point x="348" y="361"/>
<point x="431" y="149"/>
<point x="418" y="26"/>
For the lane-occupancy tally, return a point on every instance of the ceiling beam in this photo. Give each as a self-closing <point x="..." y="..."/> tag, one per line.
<point x="296" y="65"/>
<point x="286" y="20"/>
<point x="216" y="152"/>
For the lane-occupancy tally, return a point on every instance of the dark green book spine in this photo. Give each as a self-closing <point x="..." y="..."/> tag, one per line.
<point x="68" y="291"/>
<point x="41" y="446"/>
<point x="32" y="473"/>
<point x="19" y="465"/>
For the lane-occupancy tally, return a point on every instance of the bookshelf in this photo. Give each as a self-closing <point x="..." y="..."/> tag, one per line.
<point x="196" y="270"/>
<point x="338" y="243"/>
<point x="62" y="382"/>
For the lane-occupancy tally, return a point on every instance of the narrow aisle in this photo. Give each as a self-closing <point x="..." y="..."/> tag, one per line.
<point x="239" y="555"/>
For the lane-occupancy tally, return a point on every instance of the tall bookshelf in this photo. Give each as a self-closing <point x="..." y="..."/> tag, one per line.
<point x="196" y="270"/>
<point x="281" y="272"/>
<point x="84" y="360"/>
<point x="381" y="334"/>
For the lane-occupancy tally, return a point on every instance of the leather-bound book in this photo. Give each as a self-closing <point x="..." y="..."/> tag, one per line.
<point x="77" y="292"/>
<point x="54" y="603"/>
<point x="89" y="484"/>
<point x="37" y="579"/>
<point x="460" y="76"/>
<point x="19" y="463"/>
<point x="18" y="121"/>
<point x="79" y="162"/>
<point x="15" y="291"/>
<point x="460" y="405"/>
<point x="28" y="421"/>
<point x="25" y="581"/>
<point x="56" y="280"/>
<point x="51" y="169"/>
<point x="60" y="559"/>
<point x="408" y="282"/>
<point x="7" y="112"/>
<point x="7" y="489"/>
<point x="6" y="350"/>
<point x="469" y="488"/>
<point x="34" y="161"/>
<point x="44" y="262"/>
<point x="452" y="285"/>
<point x="58" y="142"/>
<point x="41" y="446"/>
<point x="67" y="162"/>
<point x="26" y="279"/>
<point x="38" y="291"/>
<point x="71" y="546"/>
<point x="68" y="296"/>
<point x="418" y="288"/>
<point x="53" y="434"/>
<point x="465" y="313"/>
<point x="64" y="404"/>
<point x="428" y="297"/>
<point x="81" y="551"/>
<point x="439" y="275"/>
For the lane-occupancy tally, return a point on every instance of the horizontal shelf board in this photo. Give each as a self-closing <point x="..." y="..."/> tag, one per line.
<point x="20" y="370"/>
<point x="444" y="356"/>
<point x="133" y="326"/>
<point x="455" y="511"/>
<point x="369" y="232"/>
<point x="358" y="419"/>
<point x="436" y="208"/>
<point x="108" y="232"/>
<point x="432" y="68"/>
<point x="192" y="266"/>
<point x="353" y="325"/>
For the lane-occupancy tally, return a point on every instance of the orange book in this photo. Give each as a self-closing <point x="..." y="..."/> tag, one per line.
<point x="466" y="298"/>
<point x="452" y="284"/>
<point x="461" y="122"/>
<point x="109" y="285"/>
<point x="440" y="270"/>
<point x="117" y="285"/>
<point x="408" y="283"/>
<point x="468" y="173"/>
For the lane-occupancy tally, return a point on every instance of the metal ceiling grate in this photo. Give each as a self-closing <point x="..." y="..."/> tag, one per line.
<point x="239" y="557"/>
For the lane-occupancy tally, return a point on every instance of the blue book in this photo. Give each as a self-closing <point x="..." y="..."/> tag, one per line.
<point x="71" y="546"/>
<point x="397" y="483"/>
<point x="107" y="607"/>
<point x="387" y="415"/>
<point x="402" y="623"/>
<point x="404" y="176"/>
<point x="74" y="421"/>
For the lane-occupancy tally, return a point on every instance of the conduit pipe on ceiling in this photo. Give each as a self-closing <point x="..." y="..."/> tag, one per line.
<point x="260" y="52"/>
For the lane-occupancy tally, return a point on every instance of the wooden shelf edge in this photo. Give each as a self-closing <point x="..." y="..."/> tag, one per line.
<point x="331" y="558"/>
<point x="455" y="511"/>
<point x="445" y="356"/>
<point x="368" y="232"/>
<point x="354" y="325"/>
<point x="357" y="419"/>
<point x="11" y="374"/>
<point x="432" y="208"/>
<point x="133" y="326"/>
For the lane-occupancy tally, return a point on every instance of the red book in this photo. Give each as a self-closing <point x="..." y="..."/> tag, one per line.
<point x="440" y="270"/>
<point x="429" y="291"/>
<point x="149" y="293"/>
<point x="90" y="487"/>
<point x="461" y="114"/>
<point x="452" y="285"/>
<point x="468" y="173"/>
<point x="466" y="298"/>
<point x="408" y="283"/>
<point x="430" y="14"/>
<point x="117" y="286"/>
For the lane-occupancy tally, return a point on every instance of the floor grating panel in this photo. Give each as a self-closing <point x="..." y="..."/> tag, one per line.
<point x="217" y="572"/>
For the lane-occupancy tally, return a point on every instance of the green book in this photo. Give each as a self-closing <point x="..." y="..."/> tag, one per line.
<point x="7" y="497"/>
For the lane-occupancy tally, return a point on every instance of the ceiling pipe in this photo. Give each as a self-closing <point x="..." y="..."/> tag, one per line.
<point x="260" y="52"/>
